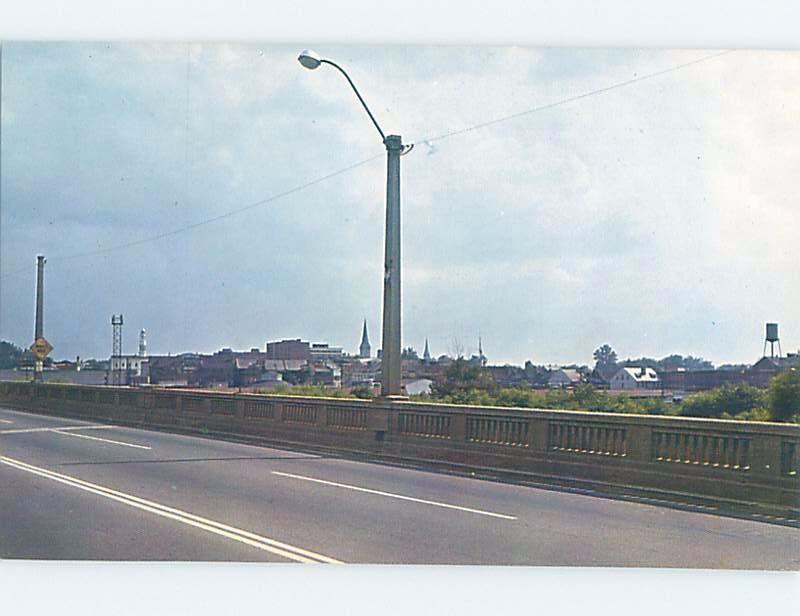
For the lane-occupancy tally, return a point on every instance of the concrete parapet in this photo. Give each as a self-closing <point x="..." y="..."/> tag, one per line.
<point x="750" y="466"/>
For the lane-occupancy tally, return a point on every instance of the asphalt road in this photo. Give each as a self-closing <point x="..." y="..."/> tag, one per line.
<point x="72" y="489"/>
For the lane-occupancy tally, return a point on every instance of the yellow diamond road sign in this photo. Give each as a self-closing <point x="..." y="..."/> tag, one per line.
<point x="41" y="348"/>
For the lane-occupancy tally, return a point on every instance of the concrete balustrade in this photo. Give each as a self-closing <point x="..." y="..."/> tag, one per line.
<point x="742" y="466"/>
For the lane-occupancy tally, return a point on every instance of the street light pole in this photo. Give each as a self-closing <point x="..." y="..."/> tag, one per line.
<point x="390" y="358"/>
<point x="390" y="353"/>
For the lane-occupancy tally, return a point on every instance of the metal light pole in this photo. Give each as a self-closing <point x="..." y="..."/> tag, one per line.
<point x="390" y="353"/>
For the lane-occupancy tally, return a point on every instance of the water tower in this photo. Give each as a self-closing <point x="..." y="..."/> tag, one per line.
<point x="772" y="338"/>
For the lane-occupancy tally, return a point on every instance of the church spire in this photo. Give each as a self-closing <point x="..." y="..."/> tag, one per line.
<point x="365" y="349"/>
<point x="426" y="356"/>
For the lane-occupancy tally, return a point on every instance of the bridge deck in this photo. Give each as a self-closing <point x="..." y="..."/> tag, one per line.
<point x="81" y="490"/>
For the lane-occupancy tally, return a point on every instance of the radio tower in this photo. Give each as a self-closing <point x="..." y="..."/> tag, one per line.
<point x="116" y="348"/>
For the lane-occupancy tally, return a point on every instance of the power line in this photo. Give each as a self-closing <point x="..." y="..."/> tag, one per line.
<point x="206" y="221"/>
<point x="432" y="139"/>
<point x="571" y="99"/>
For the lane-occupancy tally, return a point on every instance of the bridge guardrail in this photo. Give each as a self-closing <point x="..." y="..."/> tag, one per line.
<point x="733" y="464"/>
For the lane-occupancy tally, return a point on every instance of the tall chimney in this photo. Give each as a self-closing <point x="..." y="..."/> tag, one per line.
<point x="39" y="329"/>
<point x="38" y="366"/>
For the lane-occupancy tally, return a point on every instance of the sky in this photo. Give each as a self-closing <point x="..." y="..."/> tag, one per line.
<point x="659" y="216"/>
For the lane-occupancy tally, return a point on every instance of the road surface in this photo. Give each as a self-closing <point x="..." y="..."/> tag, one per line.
<point x="72" y="489"/>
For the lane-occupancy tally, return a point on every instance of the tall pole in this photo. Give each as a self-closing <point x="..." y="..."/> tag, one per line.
<point x="390" y="354"/>
<point x="38" y="366"/>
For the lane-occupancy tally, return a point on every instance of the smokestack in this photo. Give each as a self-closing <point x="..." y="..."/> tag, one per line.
<point x="38" y="330"/>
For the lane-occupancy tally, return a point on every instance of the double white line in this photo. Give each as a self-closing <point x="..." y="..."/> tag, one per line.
<point x="230" y="532"/>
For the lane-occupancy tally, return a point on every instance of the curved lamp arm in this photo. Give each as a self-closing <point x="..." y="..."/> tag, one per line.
<point x="352" y="85"/>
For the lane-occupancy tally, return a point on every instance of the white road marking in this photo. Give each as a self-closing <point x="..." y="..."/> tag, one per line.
<point x="398" y="496"/>
<point x="231" y="532"/>
<point x="104" y="440"/>
<point x="6" y="421"/>
<point x="53" y="429"/>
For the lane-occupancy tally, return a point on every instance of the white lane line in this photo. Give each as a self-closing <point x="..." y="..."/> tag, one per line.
<point x="104" y="440"/>
<point x="231" y="532"/>
<point x="53" y="429"/>
<point x="398" y="496"/>
<point x="6" y="421"/>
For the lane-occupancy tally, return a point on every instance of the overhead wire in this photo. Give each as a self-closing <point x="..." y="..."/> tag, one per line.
<point x="212" y="219"/>
<point x="571" y="99"/>
<point x="428" y="140"/>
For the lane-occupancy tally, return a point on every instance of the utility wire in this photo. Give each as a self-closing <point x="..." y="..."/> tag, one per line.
<point x="206" y="221"/>
<point x="571" y="99"/>
<point x="431" y="139"/>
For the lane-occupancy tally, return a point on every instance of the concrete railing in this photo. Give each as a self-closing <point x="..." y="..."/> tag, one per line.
<point x="750" y="466"/>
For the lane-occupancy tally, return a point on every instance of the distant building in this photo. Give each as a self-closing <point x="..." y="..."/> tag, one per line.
<point x="767" y="367"/>
<point x="564" y="377"/>
<point x="285" y="365"/>
<point x="288" y="349"/>
<point x="364" y="350"/>
<point x="127" y="370"/>
<point x="603" y="373"/>
<point x="356" y="373"/>
<point x="175" y="370"/>
<point x="508" y="376"/>
<point x="699" y="380"/>
<point x="480" y="358"/>
<point x="639" y="377"/>
<point x="417" y="387"/>
<point x="322" y="352"/>
<point x="426" y="355"/>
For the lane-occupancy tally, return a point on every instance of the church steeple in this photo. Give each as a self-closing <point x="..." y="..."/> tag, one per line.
<point x="365" y="349"/>
<point x="426" y="356"/>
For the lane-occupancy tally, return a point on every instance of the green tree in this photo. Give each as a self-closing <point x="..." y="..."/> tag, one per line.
<point x="605" y="357"/>
<point x="10" y="354"/>
<point x="461" y="377"/>
<point x="728" y="399"/>
<point x="783" y="395"/>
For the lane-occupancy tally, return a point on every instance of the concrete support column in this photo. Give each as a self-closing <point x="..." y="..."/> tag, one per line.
<point x="765" y="456"/>
<point x="458" y="427"/>
<point x="538" y="434"/>
<point x="638" y="442"/>
<point x="390" y="352"/>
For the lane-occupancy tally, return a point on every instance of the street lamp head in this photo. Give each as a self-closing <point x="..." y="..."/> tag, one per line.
<point x="310" y="59"/>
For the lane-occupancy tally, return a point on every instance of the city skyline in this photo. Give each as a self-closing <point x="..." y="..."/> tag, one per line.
<point x="655" y="217"/>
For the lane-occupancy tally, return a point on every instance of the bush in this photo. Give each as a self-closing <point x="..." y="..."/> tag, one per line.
<point x="730" y="399"/>
<point x="362" y="391"/>
<point x="783" y="396"/>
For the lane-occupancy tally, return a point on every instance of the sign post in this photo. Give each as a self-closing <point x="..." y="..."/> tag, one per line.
<point x="40" y="349"/>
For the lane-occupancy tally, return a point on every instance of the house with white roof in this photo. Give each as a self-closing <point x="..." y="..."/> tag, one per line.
<point x="635" y="377"/>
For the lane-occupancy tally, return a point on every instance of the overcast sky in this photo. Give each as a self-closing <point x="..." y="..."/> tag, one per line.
<point x="659" y="217"/>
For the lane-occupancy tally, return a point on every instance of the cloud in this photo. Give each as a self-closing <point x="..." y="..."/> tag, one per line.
<point x="659" y="217"/>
